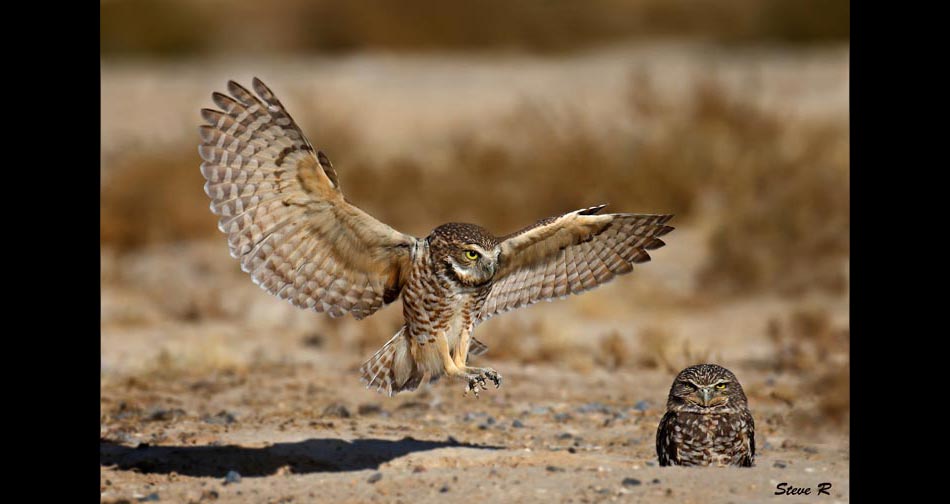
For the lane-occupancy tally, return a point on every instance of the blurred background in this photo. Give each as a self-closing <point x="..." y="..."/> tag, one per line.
<point x="732" y="114"/>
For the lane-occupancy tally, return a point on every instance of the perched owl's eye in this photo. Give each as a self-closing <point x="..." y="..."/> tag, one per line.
<point x="471" y="255"/>
<point x="721" y="386"/>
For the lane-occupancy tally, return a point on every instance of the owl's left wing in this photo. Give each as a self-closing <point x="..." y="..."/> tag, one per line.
<point x="569" y="254"/>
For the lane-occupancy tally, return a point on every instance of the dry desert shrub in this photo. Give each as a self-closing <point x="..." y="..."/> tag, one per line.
<point x="613" y="352"/>
<point x="538" y="340"/>
<point x="810" y="344"/>
<point x="154" y="197"/>
<point x="782" y="187"/>
<point x="808" y="340"/>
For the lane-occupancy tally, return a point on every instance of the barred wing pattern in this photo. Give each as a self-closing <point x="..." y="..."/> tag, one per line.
<point x="569" y="254"/>
<point x="285" y="217"/>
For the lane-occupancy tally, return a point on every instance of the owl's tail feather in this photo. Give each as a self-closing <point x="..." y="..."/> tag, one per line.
<point x="392" y="369"/>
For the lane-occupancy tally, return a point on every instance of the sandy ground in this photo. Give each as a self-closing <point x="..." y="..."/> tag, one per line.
<point x="548" y="434"/>
<point x="272" y="393"/>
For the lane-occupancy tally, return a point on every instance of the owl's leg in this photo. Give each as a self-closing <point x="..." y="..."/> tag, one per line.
<point x="461" y="360"/>
<point x="476" y="377"/>
<point x="461" y="349"/>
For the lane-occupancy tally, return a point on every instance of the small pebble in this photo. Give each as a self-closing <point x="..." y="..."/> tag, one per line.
<point x="221" y="418"/>
<point x="565" y="435"/>
<point x="161" y="414"/>
<point x="540" y="410"/>
<point x="414" y="405"/>
<point x="650" y="463"/>
<point x="780" y="464"/>
<point x="655" y="481"/>
<point x="444" y="489"/>
<point x="152" y="497"/>
<point x="810" y="449"/>
<point x="336" y="410"/>
<point x="313" y="341"/>
<point x="642" y="405"/>
<point x="517" y="424"/>
<point x="572" y="450"/>
<point x="554" y="469"/>
<point x="369" y="409"/>
<point x="232" y="477"/>
<point x="594" y="407"/>
<point x="562" y="417"/>
<point x="630" y="482"/>
<point x="375" y="477"/>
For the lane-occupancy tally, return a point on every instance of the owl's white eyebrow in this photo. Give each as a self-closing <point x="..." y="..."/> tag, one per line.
<point x="691" y="382"/>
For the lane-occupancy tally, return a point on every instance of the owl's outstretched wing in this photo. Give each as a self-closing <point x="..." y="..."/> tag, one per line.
<point x="280" y="204"/>
<point x="569" y="254"/>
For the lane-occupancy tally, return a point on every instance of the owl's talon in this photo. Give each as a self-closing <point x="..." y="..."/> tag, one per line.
<point x="474" y="381"/>
<point x="492" y="375"/>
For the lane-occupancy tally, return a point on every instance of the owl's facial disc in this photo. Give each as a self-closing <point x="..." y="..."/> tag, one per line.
<point x="705" y="396"/>
<point x="473" y="265"/>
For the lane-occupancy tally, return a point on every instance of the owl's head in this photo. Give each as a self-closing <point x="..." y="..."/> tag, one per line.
<point x="468" y="252"/>
<point x="706" y="388"/>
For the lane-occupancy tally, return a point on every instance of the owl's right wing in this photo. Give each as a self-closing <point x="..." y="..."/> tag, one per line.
<point x="280" y="204"/>
<point x="569" y="254"/>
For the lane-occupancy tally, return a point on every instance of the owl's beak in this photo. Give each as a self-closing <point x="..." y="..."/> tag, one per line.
<point x="706" y="396"/>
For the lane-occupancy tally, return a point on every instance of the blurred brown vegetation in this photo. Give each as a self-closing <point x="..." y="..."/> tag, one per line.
<point x="809" y="343"/>
<point x="189" y="27"/>
<point x="780" y="188"/>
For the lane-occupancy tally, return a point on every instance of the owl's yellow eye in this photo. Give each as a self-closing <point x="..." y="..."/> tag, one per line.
<point x="471" y="255"/>
<point x="721" y="386"/>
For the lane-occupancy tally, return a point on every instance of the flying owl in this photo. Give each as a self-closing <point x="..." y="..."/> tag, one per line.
<point x="295" y="233"/>
<point x="707" y="420"/>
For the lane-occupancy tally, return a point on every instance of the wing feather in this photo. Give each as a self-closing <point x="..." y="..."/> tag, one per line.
<point x="569" y="254"/>
<point x="280" y="205"/>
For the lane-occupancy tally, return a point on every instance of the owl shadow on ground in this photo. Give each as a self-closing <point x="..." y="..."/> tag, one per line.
<point x="311" y="455"/>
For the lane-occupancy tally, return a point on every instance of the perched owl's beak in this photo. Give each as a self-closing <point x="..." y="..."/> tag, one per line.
<point x="706" y="396"/>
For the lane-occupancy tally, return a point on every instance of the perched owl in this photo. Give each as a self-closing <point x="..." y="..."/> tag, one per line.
<point x="707" y="420"/>
<point x="286" y="219"/>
